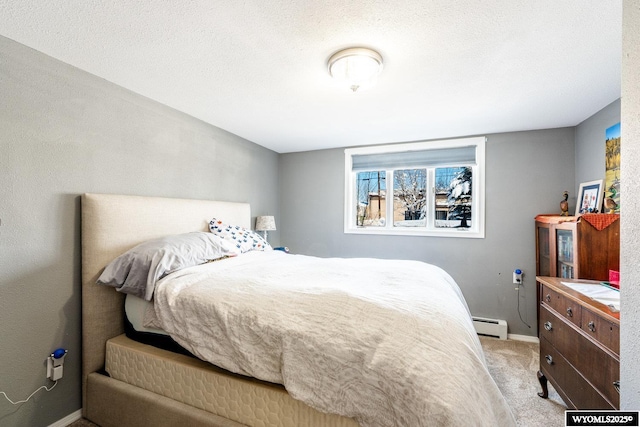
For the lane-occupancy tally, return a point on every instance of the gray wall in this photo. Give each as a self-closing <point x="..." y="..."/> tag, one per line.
<point x="630" y="208"/>
<point x="64" y="132"/>
<point x="526" y="173"/>
<point x="590" y="145"/>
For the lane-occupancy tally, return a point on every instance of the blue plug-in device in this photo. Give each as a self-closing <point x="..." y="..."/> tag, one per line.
<point x="55" y="363"/>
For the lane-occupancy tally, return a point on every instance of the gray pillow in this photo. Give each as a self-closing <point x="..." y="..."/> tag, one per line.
<point x="137" y="270"/>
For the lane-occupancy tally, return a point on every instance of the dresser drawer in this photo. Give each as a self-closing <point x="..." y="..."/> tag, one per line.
<point x="605" y="332"/>
<point x="569" y="382"/>
<point x="563" y="305"/>
<point x="558" y="331"/>
<point x="588" y="358"/>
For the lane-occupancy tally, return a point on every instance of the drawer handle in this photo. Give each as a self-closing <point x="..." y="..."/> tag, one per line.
<point x="592" y="326"/>
<point x="569" y="312"/>
<point x="616" y="384"/>
<point x="549" y="359"/>
<point x="548" y="298"/>
<point x="548" y="326"/>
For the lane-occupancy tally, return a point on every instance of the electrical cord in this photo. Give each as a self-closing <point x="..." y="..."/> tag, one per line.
<point x="30" y="396"/>
<point x="520" y="314"/>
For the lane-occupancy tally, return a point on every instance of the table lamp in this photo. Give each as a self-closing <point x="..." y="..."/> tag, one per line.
<point x="264" y="224"/>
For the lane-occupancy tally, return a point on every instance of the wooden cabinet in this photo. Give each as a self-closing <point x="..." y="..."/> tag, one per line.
<point x="579" y="346"/>
<point x="572" y="247"/>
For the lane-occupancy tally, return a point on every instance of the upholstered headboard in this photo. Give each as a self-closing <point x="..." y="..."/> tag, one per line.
<point x="112" y="224"/>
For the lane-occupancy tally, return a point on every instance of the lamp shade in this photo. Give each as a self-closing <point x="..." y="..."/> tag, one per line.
<point x="265" y="223"/>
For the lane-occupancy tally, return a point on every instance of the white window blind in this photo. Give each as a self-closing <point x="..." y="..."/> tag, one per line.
<point x="415" y="158"/>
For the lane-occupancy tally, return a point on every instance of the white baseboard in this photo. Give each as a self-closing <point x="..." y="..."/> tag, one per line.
<point x="75" y="416"/>
<point x="527" y="338"/>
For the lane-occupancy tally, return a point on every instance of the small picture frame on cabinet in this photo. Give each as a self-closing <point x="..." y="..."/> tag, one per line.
<point x="590" y="196"/>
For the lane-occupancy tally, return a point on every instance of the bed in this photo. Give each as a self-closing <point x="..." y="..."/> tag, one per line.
<point x="129" y="383"/>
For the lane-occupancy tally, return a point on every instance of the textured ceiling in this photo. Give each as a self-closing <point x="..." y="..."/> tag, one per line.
<point x="257" y="68"/>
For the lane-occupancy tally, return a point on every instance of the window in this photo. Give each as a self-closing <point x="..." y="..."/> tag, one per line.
<point x="433" y="188"/>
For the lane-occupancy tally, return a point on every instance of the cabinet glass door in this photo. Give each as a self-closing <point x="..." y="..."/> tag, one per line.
<point x="544" y="257"/>
<point x="564" y="247"/>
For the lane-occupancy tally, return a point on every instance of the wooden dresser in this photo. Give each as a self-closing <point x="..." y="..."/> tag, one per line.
<point x="579" y="346"/>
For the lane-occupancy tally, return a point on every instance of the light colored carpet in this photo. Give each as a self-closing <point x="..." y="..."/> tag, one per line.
<point x="513" y="365"/>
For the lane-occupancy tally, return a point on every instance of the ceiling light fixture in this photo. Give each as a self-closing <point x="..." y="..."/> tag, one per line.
<point x="356" y="67"/>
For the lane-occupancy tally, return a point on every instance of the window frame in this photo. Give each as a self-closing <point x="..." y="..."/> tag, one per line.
<point x="477" y="229"/>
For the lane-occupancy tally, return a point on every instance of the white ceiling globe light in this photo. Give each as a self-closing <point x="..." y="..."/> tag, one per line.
<point x="356" y="67"/>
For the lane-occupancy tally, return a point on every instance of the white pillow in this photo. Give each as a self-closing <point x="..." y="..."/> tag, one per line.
<point x="243" y="239"/>
<point x="137" y="270"/>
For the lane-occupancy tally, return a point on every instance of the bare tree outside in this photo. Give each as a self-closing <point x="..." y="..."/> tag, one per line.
<point x="409" y="196"/>
<point x="370" y="189"/>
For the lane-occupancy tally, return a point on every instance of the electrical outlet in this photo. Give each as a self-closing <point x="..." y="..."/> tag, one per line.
<point x="517" y="276"/>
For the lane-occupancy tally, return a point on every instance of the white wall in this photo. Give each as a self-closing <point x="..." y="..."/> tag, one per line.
<point x="630" y="208"/>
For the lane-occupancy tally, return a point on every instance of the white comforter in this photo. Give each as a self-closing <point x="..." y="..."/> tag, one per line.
<point x="387" y="342"/>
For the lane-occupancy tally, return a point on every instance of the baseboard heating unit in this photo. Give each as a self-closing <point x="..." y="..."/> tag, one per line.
<point x="490" y="327"/>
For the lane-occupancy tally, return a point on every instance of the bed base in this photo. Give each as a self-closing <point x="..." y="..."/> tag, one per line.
<point x="199" y="384"/>
<point x="113" y="403"/>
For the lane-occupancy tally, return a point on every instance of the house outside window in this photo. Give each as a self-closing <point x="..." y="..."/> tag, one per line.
<point x="433" y="188"/>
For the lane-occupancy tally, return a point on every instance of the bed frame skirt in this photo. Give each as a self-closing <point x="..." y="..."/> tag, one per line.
<point x="113" y="403"/>
<point x="199" y="384"/>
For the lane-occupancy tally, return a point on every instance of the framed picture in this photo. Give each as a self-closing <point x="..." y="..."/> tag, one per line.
<point x="612" y="165"/>
<point x="589" y="197"/>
